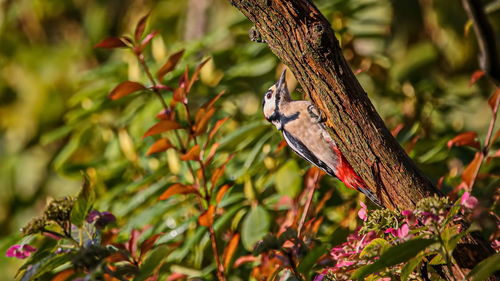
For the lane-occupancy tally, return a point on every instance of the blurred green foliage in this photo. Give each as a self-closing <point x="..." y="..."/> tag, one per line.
<point x="414" y="59"/>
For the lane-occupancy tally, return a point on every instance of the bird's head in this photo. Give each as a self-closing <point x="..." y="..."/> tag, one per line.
<point x="275" y="97"/>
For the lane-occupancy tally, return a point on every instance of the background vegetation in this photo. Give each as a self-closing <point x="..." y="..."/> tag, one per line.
<point x="415" y="59"/>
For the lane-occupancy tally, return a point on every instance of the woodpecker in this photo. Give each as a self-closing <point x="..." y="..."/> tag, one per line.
<point x="302" y="126"/>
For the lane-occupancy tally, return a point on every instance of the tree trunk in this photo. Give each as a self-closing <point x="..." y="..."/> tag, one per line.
<point x="302" y="38"/>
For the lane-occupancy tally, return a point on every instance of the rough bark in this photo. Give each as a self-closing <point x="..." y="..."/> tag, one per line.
<point x="302" y="39"/>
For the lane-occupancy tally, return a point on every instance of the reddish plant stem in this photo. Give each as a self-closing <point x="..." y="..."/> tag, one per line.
<point x="486" y="147"/>
<point x="220" y="266"/>
<point x="305" y="212"/>
<point x="213" y="238"/>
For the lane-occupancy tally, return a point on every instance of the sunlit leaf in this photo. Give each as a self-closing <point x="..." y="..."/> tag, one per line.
<point x="471" y="170"/>
<point x="207" y="218"/>
<point x="177" y="188"/>
<point x="211" y="153"/>
<point x="201" y="120"/>
<point x="110" y="43"/>
<point x="83" y="203"/>
<point x="465" y="139"/>
<point x="193" y="154"/>
<point x="231" y="249"/>
<point x="494" y="100"/>
<point x="217" y="126"/>
<point x="139" y="29"/>
<point x="159" y="146"/>
<point x="222" y="191"/>
<point x="485" y="268"/>
<point x="124" y="89"/>
<point x="161" y="127"/>
<point x="255" y="226"/>
<point x="288" y="179"/>
<point x="475" y="77"/>
<point x="169" y="65"/>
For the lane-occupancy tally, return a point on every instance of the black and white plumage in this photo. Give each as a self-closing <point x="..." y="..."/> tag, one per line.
<point x="301" y="124"/>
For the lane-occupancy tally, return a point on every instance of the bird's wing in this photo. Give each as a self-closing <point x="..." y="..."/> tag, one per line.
<point x="299" y="147"/>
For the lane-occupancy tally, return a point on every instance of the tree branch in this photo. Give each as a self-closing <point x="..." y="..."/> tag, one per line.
<point x="489" y="60"/>
<point x="302" y="38"/>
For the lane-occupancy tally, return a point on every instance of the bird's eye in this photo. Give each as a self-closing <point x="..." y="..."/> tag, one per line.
<point x="269" y="95"/>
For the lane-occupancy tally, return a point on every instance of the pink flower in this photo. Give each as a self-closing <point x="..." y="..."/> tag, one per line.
<point x="429" y="217"/>
<point x="343" y="263"/>
<point x="468" y="201"/>
<point x="21" y="251"/>
<point x="409" y="217"/>
<point x="362" y="213"/>
<point x="402" y="232"/>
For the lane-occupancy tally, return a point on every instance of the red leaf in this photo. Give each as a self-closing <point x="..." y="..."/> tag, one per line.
<point x="124" y="89"/>
<point x="180" y="95"/>
<point x="494" y="100"/>
<point x="244" y="259"/>
<point x="166" y="115"/>
<point x="468" y="176"/>
<point x="219" y="172"/>
<point x="201" y="120"/>
<point x="170" y="64"/>
<point x="211" y="153"/>
<point x="161" y="127"/>
<point x="132" y="242"/>
<point x="148" y="39"/>
<point x="211" y="102"/>
<point x="465" y="139"/>
<point x="475" y="76"/>
<point x="217" y="126"/>
<point x="196" y="73"/>
<point x="397" y="129"/>
<point x="176" y="276"/>
<point x="222" y="191"/>
<point x="231" y="249"/>
<point x="192" y="154"/>
<point x="177" y="188"/>
<point x="110" y="43"/>
<point x="63" y="275"/>
<point x="139" y="29"/>
<point x="159" y="146"/>
<point x="148" y="244"/>
<point x="207" y="218"/>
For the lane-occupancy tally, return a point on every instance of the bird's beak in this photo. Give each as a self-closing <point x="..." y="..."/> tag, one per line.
<point x="282" y="81"/>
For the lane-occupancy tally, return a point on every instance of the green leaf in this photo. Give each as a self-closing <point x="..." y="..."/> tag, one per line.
<point x="83" y="203"/>
<point x="377" y="244"/>
<point x="243" y="136"/>
<point x="288" y="179"/>
<point x="394" y="255"/>
<point x="410" y="266"/>
<point x="255" y="226"/>
<point x="485" y="268"/>
<point x="152" y="261"/>
<point x="305" y="267"/>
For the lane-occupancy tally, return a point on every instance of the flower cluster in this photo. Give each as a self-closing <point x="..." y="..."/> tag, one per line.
<point x="383" y="229"/>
